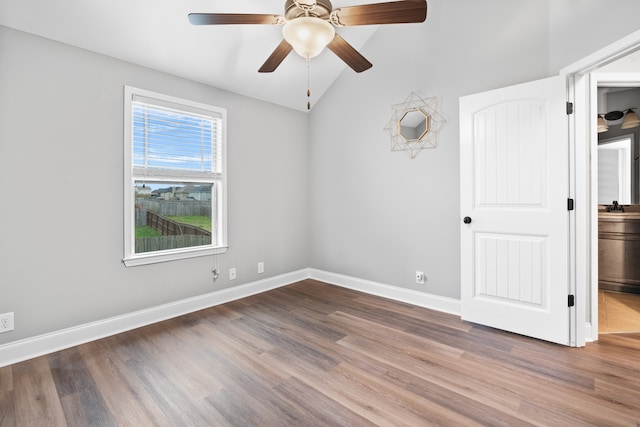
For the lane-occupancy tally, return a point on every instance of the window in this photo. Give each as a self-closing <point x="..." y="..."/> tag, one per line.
<point x="175" y="178"/>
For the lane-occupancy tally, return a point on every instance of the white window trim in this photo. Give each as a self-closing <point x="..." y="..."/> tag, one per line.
<point x="130" y="257"/>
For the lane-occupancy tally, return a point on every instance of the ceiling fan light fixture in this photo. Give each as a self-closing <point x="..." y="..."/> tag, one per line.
<point x="630" y="120"/>
<point x="308" y="35"/>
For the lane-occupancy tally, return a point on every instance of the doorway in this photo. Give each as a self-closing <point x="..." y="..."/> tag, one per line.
<point x="618" y="181"/>
<point x="616" y="65"/>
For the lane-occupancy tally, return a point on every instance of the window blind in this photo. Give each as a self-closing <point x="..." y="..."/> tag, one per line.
<point x="175" y="140"/>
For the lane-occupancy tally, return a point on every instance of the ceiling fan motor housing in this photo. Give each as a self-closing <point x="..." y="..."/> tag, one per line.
<point x="321" y="9"/>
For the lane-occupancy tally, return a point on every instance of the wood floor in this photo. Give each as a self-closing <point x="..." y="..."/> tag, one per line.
<point x="312" y="354"/>
<point x="618" y="312"/>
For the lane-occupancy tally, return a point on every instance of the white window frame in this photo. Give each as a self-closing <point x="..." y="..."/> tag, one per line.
<point x="218" y="199"/>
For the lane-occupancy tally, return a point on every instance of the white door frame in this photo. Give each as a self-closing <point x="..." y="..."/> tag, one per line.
<point x="582" y="78"/>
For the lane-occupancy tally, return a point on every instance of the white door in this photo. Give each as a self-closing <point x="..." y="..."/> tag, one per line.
<point x="514" y="163"/>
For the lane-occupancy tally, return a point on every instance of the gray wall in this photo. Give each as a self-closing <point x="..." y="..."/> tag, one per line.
<point x="578" y="28"/>
<point x="61" y="206"/>
<point x="378" y="215"/>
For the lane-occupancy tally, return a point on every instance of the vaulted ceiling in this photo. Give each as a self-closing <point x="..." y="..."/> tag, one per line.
<point x="157" y="34"/>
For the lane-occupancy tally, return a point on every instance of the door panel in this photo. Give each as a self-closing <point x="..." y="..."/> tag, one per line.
<point x="510" y="168"/>
<point x="514" y="187"/>
<point x="510" y="268"/>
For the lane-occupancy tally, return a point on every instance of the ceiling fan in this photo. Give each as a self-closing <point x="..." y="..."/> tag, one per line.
<point x="308" y="26"/>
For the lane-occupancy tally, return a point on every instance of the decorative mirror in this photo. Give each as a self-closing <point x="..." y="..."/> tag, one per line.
<point x="414" y="125"/>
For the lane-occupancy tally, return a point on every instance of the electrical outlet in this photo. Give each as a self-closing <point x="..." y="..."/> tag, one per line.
<point x="6" y="322"/>
<point x="420" y="277"/>
<point x="260" y="267"/>
<point x="232" y="273"/>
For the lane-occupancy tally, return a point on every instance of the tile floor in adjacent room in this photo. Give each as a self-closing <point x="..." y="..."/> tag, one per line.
<point x="618" y="312"/>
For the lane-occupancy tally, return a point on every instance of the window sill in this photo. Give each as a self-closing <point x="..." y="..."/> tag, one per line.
<point x="167" y="256"/>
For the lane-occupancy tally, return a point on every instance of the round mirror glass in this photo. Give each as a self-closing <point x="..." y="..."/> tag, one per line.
<point x="413" y="125"/>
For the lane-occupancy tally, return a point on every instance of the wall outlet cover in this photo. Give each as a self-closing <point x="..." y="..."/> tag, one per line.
<point x="6" y="322"/>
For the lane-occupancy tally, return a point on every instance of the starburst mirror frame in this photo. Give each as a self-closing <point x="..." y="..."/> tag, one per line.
<point x="414" y="124"/>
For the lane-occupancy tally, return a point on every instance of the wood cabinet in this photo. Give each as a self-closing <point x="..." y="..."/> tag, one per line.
<point x="619" y="251"/>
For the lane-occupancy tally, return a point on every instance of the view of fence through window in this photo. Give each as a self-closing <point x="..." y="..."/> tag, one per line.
<point x="172" y="215"/>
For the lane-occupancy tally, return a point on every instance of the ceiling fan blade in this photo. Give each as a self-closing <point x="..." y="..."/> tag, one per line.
<point x="276" y="57"/>
<point x="395" y="12"/>
<point x="348" y="54"/>
<point x="234" y="18"/>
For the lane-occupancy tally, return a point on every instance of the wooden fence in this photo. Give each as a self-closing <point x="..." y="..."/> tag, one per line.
<point x="174" y="234"/>
<point x="169" y="227"/>
<point x="176" y="207"/>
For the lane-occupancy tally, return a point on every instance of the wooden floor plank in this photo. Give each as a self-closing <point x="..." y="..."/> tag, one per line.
<point x="312" y="354"/>
<point x="35" y="399"/>
<point x="618" y="312"/>
<point x="7" y="409"/>
<point x="81" y="401"/>
<point x="347" y="391"/>
<point x="320" y="409"/>
<point x="129" y="403"/>
<point x="6" y="379"/>
<point x="430" y="371"/>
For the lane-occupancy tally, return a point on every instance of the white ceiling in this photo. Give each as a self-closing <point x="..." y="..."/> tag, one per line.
<point x="157" y="34"/>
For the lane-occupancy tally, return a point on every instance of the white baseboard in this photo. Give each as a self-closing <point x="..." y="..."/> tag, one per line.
<point x="588" y="332"/>
<point x="29" y="348"/>
<point x="409" y="296"/>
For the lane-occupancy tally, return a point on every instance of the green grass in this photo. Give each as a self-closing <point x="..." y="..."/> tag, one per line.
<point x="203" y="222"/>
<point x="146" y="231"/>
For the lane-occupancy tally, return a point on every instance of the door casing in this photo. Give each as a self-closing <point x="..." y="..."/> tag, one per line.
<point x="582" y="82"/>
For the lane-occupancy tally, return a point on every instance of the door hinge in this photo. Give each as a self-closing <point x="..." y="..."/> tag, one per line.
<point x="569" y="107"/>
<point x="570" y="204"/>
<point x="572" y="300"/>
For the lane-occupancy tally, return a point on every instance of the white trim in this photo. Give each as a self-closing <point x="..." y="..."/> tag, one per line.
<point x="409" y="296"/>
<point x="166" y="256"/>
<point x="580" y="186"/>
<point x="588" y="327"/>
<point x="604" y="56"/>
<point x="29" y="348"/>
<point x="18" y="351"/>
<point x="583" y="128"/>
<point x="576" y="313"/>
